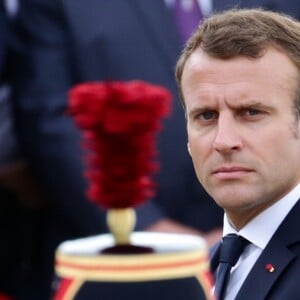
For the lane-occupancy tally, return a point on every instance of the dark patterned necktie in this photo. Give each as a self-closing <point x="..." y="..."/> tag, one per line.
<point x="187" y="16"/>
<point x="231" y="249"/>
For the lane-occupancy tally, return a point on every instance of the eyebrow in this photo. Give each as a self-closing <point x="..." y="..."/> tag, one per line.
<point x="239" y="106"/>
<point x="249" y="104"/>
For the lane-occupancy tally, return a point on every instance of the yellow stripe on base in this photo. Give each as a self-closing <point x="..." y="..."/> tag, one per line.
<point x="132" y="268"/>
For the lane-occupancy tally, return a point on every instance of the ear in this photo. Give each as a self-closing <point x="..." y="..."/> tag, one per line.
<point x="189" y="148"/>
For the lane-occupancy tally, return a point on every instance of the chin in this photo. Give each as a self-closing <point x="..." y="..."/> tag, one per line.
<point x="233" y="199"/>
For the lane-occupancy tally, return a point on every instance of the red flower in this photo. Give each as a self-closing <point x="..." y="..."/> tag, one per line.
<point x="120" y="121"/>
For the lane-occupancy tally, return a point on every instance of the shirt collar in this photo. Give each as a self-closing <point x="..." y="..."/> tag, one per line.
<point x="267" y="222"/>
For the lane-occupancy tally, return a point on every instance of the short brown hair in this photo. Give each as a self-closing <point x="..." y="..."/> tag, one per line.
<point x="244" y="32"/>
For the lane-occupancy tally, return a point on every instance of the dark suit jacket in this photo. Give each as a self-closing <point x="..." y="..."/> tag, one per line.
<point x="4" y="37"/>
<point x="291" y="7"/>
<point x="283" y="252"/>
<point x="17" y="222"/>
<point x="85" y="40"/>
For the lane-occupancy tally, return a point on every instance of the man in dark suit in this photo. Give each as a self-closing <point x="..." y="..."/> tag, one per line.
<point x="67" y="42"/>
<point x="239" y="81"/>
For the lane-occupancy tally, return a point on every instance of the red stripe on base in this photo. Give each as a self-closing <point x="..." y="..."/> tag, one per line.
<point x="63" y="288"/>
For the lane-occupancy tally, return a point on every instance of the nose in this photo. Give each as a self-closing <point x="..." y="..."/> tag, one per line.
<point x="228" y="136"/>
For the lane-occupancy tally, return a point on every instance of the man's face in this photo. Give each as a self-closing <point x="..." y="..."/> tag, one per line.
<point x="242" y="130"/>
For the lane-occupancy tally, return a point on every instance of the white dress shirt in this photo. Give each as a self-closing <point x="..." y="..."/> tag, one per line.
<point x="258" y="231"/>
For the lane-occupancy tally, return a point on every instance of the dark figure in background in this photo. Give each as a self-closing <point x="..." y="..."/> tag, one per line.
<point x="291" y="7"/>
<point x="19" y="197"/>
<point x="67" y="42"/>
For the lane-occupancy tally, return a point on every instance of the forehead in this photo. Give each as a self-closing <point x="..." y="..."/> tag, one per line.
<point x="273" y="72"/>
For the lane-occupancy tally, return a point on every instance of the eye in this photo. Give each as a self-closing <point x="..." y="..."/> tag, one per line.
<point x="252" y="112"/>
<point x="207" y="115"/>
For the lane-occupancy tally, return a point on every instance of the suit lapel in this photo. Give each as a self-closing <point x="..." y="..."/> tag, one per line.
<point x="260" y="279"/>
<point x="278" y="253"/>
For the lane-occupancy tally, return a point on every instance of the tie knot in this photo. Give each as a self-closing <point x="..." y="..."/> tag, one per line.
<point x="232" y="247"/>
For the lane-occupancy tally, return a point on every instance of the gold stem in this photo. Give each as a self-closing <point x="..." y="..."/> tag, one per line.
<point x="121" y="223"/>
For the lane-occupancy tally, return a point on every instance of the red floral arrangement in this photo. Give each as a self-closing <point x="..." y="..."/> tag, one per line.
<point x="120" y="121"/>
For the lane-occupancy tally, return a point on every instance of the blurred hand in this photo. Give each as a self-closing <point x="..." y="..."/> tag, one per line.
<point x="17" y="178"/>
<point x="168" y="225"/>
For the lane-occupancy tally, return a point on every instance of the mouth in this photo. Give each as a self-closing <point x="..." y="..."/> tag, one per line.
<point x="230" y="173"/>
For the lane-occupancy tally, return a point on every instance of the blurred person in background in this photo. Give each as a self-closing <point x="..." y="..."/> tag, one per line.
<point x="19" y="205"/>
<point x="62" y="43"/>
<point x="290" y="7"/>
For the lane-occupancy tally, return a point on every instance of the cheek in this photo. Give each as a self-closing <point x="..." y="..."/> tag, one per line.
<point x="280" y="141"/>
<point x="200" y="143"/>
<point x="199" y="151"/>
<point x="278" y="151"/>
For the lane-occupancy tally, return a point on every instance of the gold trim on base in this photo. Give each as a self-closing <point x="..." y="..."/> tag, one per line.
<point x="141" y="267"/>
